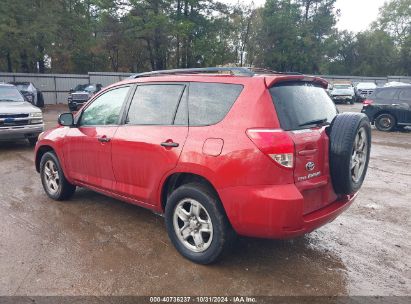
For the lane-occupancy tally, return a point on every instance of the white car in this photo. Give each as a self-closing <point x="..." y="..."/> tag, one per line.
<point x="364" y="89"/>
<point x="19" y="119"/>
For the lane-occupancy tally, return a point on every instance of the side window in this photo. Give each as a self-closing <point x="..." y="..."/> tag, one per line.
<point x="154" y="104"/>
<point x="105" y="109"/>
<point x="406" y="95"/>
<point x="387" y="94"/>
<point x="182" y="112"/>
<point x="209" y="103"/>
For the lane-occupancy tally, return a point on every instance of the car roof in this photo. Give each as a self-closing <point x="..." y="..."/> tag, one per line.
<point x="6" y="84"/>
<point x="395" y="87"/>
<point x="19" y="82"/>
<point x="269" y="79"/>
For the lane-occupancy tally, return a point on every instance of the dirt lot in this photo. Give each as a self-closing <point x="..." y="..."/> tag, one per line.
<point x="94" y="245"/>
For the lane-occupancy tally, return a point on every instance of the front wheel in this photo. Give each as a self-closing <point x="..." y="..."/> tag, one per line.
<point x="385" y="122"/>
<point x="54" y="182"/>
<point x="196" y="223"/>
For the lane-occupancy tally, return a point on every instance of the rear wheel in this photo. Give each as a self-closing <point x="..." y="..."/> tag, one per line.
<point x="196" y="223"/>
<point x="385" y="122"/>
<point x="54" y="182"/>
<point x="350" y="145"/>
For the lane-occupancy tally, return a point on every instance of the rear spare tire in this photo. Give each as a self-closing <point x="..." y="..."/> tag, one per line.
<point x="350" y="145"/>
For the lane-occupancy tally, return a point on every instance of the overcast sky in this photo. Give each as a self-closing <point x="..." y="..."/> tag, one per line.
<point x="356" y="15"/>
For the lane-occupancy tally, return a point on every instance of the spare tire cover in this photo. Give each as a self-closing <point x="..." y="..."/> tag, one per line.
<point x="350" y="146"/>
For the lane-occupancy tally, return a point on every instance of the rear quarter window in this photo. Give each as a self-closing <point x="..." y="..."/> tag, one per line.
<point x="209" y="103"/>
<point x="298" y="103"/>
<point x="405" y="95"/>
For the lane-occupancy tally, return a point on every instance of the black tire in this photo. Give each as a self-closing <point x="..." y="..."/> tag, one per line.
<point x="343" y="133"/>
<point x="352" y="101"/>
<point x="385" y="122"/>
<point x="32" y="140"/>
<point x="40" y="99"/>
<point x="64" y="190"/>
<point x="222" y="235"/>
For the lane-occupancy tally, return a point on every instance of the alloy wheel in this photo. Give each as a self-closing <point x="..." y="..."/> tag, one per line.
<point x="192" y="225"/>
<point x="359" y="155"/>
<point x="51" y="177"/>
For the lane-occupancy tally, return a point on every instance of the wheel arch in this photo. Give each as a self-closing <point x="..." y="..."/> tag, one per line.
<point x="39" y="154"/>
<point x="177" y="179"/>
<point x="383" y="111"/>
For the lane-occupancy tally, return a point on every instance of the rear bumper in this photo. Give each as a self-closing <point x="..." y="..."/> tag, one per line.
<point x="20" y="132"/>
<point x="276" y="211"/>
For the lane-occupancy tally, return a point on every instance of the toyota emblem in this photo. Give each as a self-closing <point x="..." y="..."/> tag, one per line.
<point x="310" y="166"/>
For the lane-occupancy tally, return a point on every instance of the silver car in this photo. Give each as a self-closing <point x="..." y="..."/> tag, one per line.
<point x="19" y="119"/>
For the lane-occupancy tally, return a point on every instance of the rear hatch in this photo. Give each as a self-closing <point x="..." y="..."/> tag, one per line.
<point x="304" y="110"/>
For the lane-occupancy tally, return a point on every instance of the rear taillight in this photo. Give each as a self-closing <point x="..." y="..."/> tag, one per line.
<point x="367" y="102"/>
<point x="275" y="143"/>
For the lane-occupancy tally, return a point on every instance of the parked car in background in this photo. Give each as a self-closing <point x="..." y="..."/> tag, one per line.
<point x="256" y="155"/>
<point x="19" y="119"/>
<point x="363" y="90"/>
<point x="343" y="93"/>
<point x="80" y="94"/>
<point x="389" y="108"/>
<point x="30" y="93"/>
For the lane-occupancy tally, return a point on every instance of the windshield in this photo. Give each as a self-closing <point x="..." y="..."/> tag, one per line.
<point x="10" y="94"/>
<point x="22" y="86"/>
<point x="341" y="87"/>
<point x="85" y="87"/>
<point x="302" y="104"/>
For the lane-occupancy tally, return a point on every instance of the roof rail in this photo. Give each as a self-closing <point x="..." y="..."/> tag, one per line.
<point x="235" y="71"/>
<point x="268" y="71"/>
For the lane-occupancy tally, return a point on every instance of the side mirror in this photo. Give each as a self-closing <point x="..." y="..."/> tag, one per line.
<point x="66" y="120"/>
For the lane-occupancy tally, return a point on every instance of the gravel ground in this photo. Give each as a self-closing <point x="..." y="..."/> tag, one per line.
<point x="95" y="245"/>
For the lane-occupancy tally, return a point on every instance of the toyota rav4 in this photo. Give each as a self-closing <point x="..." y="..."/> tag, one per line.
<point x="219" y="151"/>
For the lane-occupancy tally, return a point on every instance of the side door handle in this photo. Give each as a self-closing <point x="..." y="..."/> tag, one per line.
<point x="169" y="144"/>
<point x="103" y="139"/>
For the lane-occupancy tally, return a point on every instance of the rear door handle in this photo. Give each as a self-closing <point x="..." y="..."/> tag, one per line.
<point x="104" y="139"/>
<point x="169" y="144"/>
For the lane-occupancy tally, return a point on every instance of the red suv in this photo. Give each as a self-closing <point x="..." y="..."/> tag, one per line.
<point x="259" y="155"/>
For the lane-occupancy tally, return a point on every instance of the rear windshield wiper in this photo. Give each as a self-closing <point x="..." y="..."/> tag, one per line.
<point x="315" y="122"/>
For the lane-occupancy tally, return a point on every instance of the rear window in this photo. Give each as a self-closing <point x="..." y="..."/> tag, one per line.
<point x="209" y="103"/>
<point x="299" y="103"/>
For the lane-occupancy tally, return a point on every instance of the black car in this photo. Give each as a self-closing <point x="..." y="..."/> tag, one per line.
<point x="389" y="108"/>
<point x="81" y="94"/>
<point x="30" y="93"/>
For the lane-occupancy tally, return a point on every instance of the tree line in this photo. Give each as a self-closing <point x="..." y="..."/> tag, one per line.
<point x="78" y="36"/>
